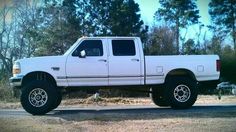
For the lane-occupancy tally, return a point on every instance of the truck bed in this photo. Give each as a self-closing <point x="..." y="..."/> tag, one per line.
<point x="157" y="67"/>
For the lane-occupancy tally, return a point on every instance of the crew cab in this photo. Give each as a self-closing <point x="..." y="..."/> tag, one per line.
<point x="112" y="62"/>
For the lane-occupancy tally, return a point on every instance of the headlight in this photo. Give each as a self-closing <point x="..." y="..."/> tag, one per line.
<point x="16" y="68"/>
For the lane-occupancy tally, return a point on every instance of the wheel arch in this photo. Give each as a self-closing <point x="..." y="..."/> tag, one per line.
<point x="181" y="72"/>
<point x="38" y="75"/>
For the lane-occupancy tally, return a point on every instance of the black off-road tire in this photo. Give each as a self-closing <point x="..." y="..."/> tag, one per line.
<point x="158" y="96"/>
<point x="32" y="92"/>
<point x="182" y="92"/>
<point x="58" y="99"/>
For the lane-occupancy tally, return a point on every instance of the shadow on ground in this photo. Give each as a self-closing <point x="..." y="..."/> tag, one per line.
<point x="119" y="114"/>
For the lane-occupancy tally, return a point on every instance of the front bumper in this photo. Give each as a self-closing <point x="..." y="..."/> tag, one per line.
<point x="15" y="81"/>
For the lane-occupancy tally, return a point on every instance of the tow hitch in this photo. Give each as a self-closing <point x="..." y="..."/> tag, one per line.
<point x="226" y="86"/>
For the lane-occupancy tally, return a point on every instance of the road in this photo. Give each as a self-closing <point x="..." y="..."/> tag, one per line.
<point x="196" y="110"/>
<point x="201" y="117"/>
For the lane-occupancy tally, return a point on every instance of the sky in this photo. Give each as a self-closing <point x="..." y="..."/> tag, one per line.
<point x="149" y="7"/>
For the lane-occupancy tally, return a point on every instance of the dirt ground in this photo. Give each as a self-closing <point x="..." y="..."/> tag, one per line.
<point x="215" y="118"/>
<point x="202" y="99"/>
<point x="47" y="124"/>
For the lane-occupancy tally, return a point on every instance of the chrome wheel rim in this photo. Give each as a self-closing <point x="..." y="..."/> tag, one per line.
<point x="182" y="93"/>
<point x="38" y="97"/>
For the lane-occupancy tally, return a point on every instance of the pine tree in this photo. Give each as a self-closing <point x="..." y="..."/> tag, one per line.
<point x="118" y="18"/>
<point x="179" y="13"/>
<point x="223" y="15"/>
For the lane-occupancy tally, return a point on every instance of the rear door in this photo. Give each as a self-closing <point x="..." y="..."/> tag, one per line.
<point x="124" y="62"/>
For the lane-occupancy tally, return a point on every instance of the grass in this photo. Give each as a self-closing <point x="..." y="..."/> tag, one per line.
<point x="7" y="93"/>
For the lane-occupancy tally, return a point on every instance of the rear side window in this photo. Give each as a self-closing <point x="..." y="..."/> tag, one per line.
<point x="123" y="48"/>
<point x="91" y="47"/>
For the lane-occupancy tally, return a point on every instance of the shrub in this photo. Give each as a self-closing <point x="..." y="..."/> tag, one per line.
<point x="228" y="68"/>
<point x="6" y="92"/>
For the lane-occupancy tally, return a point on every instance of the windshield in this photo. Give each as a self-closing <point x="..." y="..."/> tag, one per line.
<point x="72" y="47"/>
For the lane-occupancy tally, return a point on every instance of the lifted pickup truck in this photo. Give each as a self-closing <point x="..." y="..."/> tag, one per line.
<point x="112" y="62"/>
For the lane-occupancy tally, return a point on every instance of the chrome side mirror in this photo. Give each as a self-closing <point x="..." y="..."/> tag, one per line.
<point x="82" y="54"/>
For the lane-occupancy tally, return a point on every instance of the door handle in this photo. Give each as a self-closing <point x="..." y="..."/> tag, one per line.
<point x="134" y="59"/>
<point x="103" y="60"/>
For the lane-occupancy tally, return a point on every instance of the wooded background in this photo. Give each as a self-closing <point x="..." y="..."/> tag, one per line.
<point x="31" y="28"/>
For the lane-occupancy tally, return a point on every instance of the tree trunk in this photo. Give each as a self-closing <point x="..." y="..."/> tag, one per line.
<point x="234" y="38"/>
<point x="177" y="36"/>
<point x="233" y="16"/>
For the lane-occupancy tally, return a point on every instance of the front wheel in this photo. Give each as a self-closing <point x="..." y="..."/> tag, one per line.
<point x="183" y="92"/>
<point x="58" y="99"/>
<point x="38" y="97"/>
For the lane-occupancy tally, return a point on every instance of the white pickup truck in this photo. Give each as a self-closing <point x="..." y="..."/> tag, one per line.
<point x="111" y="62"/>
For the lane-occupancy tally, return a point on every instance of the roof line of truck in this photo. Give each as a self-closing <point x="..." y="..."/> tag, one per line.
<point x="110" y="37"/>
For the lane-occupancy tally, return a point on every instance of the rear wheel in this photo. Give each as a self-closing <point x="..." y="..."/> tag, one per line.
<point x="182" y="93"/>
<point x="38" y="97"/>
<point x="158" y="96"/>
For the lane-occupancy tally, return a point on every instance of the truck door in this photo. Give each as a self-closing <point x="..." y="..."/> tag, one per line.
<point x="124" y="62"/>
<point x="91" y="69"/>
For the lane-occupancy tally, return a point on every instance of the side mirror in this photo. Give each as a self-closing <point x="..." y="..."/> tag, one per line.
<point x="82" y="54"/>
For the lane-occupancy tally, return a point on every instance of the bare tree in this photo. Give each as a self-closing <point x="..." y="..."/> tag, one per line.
<point x="26" y="12"/>
<point x="17" y="24"/>
<point x="5" y="39"/>
<point x="161" y="41"/>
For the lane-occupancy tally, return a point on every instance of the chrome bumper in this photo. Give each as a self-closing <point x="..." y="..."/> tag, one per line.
<point x="15" y="81"/>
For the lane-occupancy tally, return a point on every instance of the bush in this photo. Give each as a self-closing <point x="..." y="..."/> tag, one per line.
<point x="6" y="92"/>
<point x="228" y="68"/>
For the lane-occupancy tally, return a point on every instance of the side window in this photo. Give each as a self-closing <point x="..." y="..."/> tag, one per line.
<point x="91" y="47"/>
<point x="123" y="48"/>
